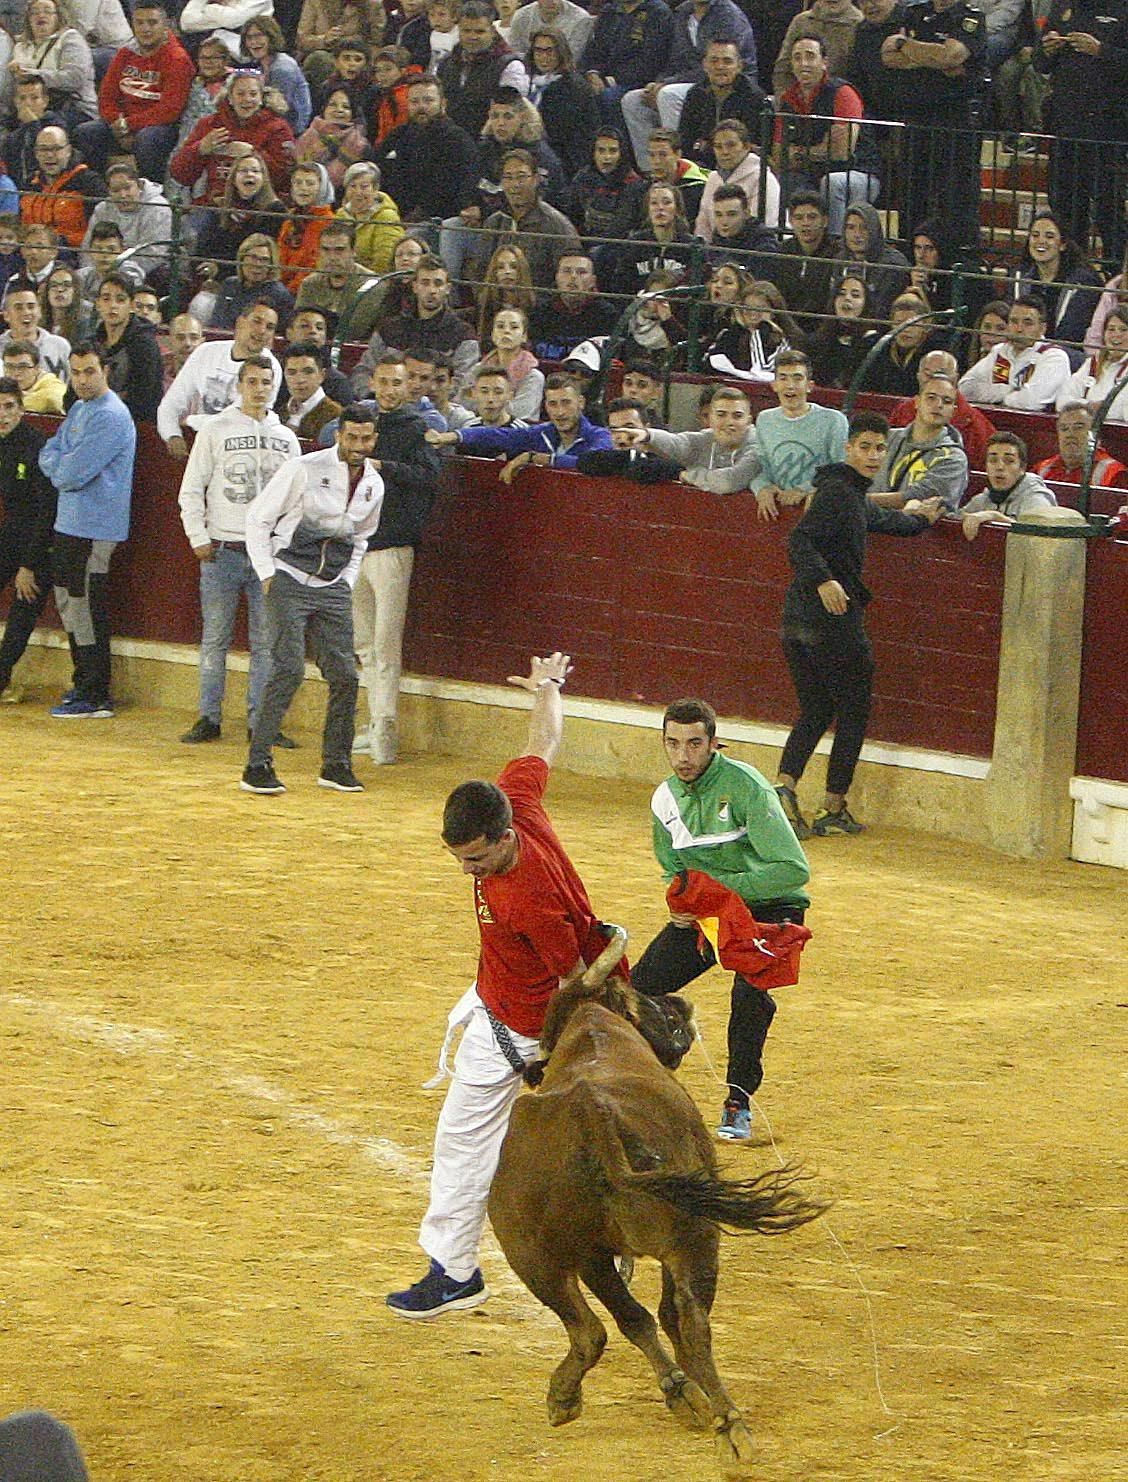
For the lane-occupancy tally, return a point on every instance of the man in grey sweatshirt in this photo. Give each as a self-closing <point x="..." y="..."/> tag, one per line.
<point x="1011" y="492"/>
<point x="722" y="459"/>
<point x="926" y="459"/>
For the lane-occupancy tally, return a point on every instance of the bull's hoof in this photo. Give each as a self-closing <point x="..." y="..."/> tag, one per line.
<point x="736" y="1451"/>
<point x="687" y="1402"/>
<point x="561" y="1411"/>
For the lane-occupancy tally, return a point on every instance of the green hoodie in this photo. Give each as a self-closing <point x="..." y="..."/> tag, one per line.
<point x="729" y="824"/>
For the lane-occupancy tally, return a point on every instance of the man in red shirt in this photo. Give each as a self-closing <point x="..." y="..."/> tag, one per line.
<point x="537" y="929"/>
<point x="968" y="421"/>
<point x="1074" y="426"/>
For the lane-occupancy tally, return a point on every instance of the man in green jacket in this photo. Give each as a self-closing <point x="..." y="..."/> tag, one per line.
<point x="723" y="818"/>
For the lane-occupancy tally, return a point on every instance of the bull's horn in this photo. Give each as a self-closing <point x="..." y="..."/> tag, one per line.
<point x="601" y="968"/>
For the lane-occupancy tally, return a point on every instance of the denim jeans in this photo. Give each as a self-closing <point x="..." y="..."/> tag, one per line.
<point x="222" y="581"/>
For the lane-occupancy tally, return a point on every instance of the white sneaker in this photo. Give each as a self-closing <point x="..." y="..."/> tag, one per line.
<point x="362" y="742"/>
<point x="384" y="748"/>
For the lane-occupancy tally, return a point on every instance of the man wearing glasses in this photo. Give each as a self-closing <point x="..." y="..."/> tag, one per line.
<point x="542" y="233"/>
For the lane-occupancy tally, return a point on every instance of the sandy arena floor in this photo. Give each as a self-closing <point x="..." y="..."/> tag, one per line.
<point x="215" y="1018"/>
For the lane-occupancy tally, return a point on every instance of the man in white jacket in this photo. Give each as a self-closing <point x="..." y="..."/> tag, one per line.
<point x="1022" y="371"/>
<point x="208" y="380"/>
<point x="236" y="454"/>
<point x="306" y="535"/>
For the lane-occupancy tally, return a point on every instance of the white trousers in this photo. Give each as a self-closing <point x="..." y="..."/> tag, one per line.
<point x="472" y="1127"/>
<point x="379" y="614"/>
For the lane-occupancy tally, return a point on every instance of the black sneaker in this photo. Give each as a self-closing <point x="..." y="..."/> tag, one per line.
<point x="262" y="779"/>
<point x="436" y="1293"/>
<point x="282" y="741"/>
<point x="790" y="804"/>
<point x="203" y="730"/>
<point x="841" y="822"/>
<point x="341" y="778"/>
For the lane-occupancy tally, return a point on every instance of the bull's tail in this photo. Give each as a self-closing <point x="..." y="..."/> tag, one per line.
<point x="770" y="1204"/>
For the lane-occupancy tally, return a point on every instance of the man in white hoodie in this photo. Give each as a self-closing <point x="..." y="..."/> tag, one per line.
<point x="1022" y="371"/>
<point x="207" y="382"/>
<point x="307" y="533"/>
<point x="236" y="454"/>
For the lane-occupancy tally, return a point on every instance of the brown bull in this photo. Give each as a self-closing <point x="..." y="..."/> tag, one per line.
<point x="611" y="1157"/>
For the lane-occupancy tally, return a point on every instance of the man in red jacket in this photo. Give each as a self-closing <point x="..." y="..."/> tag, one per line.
<point x="968" y="421"/>
<point x="142" y="97"/>
<point x="537" y="928"/>
<point x="238" y="127"/>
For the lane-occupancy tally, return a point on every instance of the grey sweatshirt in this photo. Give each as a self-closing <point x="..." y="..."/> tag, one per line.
<point x="937" y="468"/>
<point x="1029" y="494"/>
<point x="709" y="467"/>
<point x="151" y="222"/>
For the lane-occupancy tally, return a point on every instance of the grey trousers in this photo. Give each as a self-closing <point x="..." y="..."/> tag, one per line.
<point x="326" y="612"/>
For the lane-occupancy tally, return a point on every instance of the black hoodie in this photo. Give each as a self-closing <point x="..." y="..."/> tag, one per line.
<point x="134" y="368"/>
<point x="409" y="466"/>
<point x="29" y="497"/>
<point x="829" y="544"/>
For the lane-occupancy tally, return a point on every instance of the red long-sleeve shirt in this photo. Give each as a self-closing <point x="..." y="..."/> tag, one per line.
<point x="146" y="89"/>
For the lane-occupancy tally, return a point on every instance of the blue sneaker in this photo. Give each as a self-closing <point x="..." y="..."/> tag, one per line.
<point x="436" y="1293"/>
<point x="73" y="707"/>
<point x="736" y="1123"/>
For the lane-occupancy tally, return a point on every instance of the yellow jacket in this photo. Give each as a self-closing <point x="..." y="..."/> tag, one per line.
<point x="376" y="235"/>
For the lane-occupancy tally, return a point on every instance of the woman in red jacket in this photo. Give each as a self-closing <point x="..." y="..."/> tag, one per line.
<point x="239" y="126"/>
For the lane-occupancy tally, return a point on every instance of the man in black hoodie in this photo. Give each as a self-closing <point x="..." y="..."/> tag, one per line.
<point x="409" y="158"/>
<point x="824" y="634"/>
<point x="409" y="466"/>
<point x="25" y="533"/>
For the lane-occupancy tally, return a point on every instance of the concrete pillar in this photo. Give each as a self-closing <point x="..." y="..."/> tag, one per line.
<point x="1029" y="811"/>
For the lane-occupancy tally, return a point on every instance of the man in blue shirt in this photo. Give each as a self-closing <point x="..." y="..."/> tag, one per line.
<point x="556" y="443"/>
<point x="90" y="463"/>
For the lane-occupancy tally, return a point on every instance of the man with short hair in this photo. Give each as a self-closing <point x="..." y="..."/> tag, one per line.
<point x="803" y="272"/>
<point x="575" y="312"/>
<point x="208" y="380"/>
<point x="142" y="96"/>
<point x="721" y="818"/>
<point x="1074" y="434"/>
<point x="696" y="23"/>
<point x="90" y="462"/>
<point x="737" y="238"/>
<point x="972" y="426"/>
<point x="728" y="91"/>
<point x="409" y="467"/>
<point x="310" y="326"/>
<point x="556" y="443"/>
<point x="41" y="389"/>
<point x="340" y="286"/>
<point x="480" y="63"/>
<point x="408" y="155"/>
<point x="723" y="458"/>
<point x="33" y="113"/>
<point x="795" y="438"/>
<point x="926" y="459"/>
<point x="308" y="409"/>
<point x="39" y="249"/>
<point x="235" y="454"/>
<point x="185" y="334"/>
<point x="1023" y="371"/>
<point x="306" y="536"/>
<point x="627" y="458"/>
<point x="146" y="303"/>
<point x="63" y="191"/>
<point x="1011" y="492"/>
<point x="23" y="314"/>
<point x="25" y="532"/>
<point x="824" y="638"/>
<point x="542" y="232"/>
<point x="103" y="257"/>
<point x="538" y="930"/>
<point x="430" y="325"/>
<point x="664" y="166"/>
<point x="833" y="23"/>
<point x="642" y="381"/>
<point x="490" y="394"/>
<point x="140" y="211"/>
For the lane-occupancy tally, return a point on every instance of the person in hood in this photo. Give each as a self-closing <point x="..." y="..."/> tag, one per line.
<point x="605" y="199"/>
<point x="824" y="635"/>
<point x="133" y="358"/>
<point x="867" y="255"/>
<point x="926" y="459"/>
<point x="141" y="213"/>
<point x="1011" y="492"/>
<point x="239" y="126"/>
<point x="409" y="466"/>
<point x="235" y="454"/>
<point x="142" y="96"/>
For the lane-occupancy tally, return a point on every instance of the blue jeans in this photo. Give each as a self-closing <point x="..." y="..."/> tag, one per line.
<point x="222" y="582"/>
<point x="152" y="147"/>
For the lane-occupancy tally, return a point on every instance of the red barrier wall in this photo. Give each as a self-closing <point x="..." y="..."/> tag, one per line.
<point x="1102" y="723"/>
